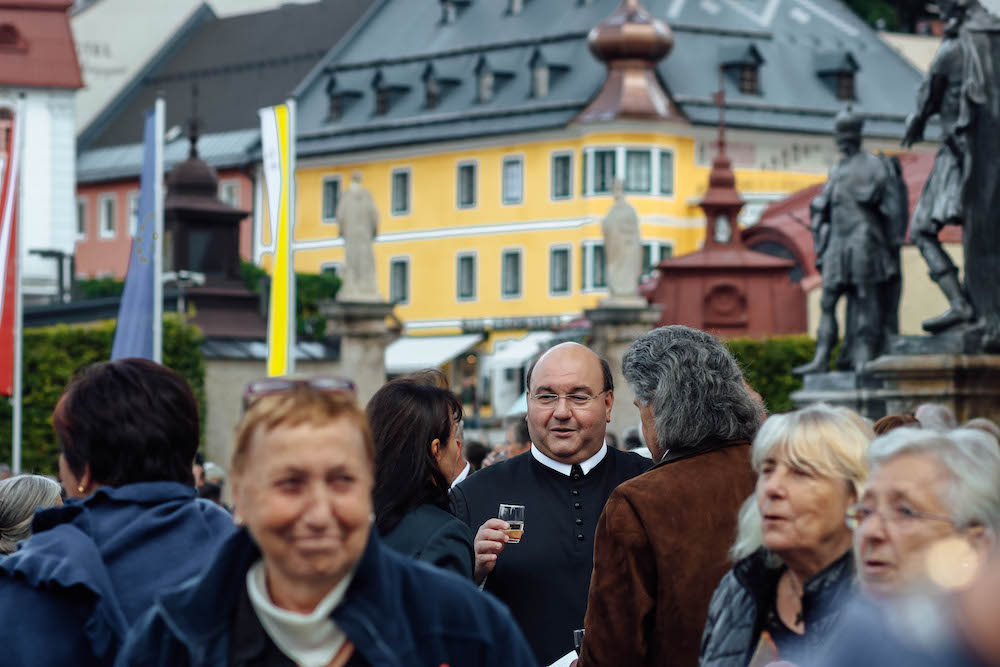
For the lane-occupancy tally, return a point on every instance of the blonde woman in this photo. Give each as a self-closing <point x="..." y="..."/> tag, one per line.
<point x="794" y="568"/>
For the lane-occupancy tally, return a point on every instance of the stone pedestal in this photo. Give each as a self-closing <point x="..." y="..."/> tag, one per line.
<point x="613" y="330"/>
<point x="364" y="334"/>
<point x="949" y="368"/>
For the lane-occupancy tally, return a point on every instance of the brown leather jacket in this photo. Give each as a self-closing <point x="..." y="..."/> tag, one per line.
<point x="659" y="552"/>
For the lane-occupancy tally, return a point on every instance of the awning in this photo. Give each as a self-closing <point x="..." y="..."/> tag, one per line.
<point x="414" y="353"/>
<point x="516" y="352"/>
<point x="520" y="406"/>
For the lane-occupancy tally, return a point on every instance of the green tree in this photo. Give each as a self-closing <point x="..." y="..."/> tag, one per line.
<point x="310" y="289"/>
<point x="898" y="15"/>
<point x="51" y="357"/>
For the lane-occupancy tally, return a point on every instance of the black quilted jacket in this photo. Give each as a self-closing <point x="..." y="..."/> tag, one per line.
<point x="745" y="596"/>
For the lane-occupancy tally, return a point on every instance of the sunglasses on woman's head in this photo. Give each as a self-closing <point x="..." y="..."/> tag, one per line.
<point x="278" y="385"/>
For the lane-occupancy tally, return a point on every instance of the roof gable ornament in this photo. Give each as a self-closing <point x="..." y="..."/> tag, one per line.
<point x="631" y="42"/>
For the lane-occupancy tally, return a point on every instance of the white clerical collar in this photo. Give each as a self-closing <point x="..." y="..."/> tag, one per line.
<point x="462" y="475"/>
<point x="566" y="468"/>
<point x="311" y="640"/>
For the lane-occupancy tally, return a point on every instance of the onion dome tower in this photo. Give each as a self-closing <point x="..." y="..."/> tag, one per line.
<point x="631" y="42"/>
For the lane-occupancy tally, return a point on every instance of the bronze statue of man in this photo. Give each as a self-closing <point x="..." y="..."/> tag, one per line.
<point x="962" y="88"/>
<point x="858" y="222"/>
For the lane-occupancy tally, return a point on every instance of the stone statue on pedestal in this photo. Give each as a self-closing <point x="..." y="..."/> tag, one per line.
<point x="962" y="88"/>
<point x="358" y="220"/>
<point x="859" y="222"/>
<point x="622" y="251"/>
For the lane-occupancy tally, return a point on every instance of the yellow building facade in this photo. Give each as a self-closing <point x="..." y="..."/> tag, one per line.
<point x="528" y="242"/>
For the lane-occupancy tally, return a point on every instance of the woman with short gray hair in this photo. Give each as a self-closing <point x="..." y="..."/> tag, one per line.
<point x="927" y="488"/>
<point x="19" y="498"/>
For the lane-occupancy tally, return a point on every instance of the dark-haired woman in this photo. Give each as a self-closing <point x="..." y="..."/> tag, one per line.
<point x="418" y="454"/>
<point x="132" y="526"/>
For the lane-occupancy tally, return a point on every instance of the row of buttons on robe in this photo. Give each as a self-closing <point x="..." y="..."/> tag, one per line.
<point x="576" y="474"/>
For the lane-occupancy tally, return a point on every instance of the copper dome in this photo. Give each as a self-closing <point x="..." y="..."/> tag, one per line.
<point x="631" y="32"/>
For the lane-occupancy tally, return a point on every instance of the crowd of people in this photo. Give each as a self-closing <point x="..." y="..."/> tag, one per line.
<point x="372" y="535"/>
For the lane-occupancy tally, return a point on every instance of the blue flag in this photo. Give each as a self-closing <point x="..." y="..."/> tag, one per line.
<point x="134" y="331"/>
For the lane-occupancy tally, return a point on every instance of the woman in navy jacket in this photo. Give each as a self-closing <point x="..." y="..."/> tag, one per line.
<point x="132" y="527"/>
<point x="417" y="426"/>
<point x="309" y="582"/>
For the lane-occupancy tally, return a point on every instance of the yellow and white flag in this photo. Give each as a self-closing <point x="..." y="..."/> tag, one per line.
<point x="277" y="136"/>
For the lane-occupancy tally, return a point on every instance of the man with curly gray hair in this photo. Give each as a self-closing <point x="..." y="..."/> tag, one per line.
<point x="661" y="542"/>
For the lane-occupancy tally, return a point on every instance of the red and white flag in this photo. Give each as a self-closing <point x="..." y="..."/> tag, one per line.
<point x="9" y="164"/>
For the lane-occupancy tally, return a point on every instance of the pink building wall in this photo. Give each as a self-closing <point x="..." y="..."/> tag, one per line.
<point x="104" y="252"/>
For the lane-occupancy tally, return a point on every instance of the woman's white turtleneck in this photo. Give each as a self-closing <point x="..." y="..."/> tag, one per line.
<point x="311" y="640"/>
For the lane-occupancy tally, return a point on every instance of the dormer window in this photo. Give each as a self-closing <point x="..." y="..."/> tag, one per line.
<point x="515" y="7"/>
<point x="11" y="39"/>
<point x="436" y="84"/>
<point x="749" y="80"/>
<point x="741" y="62"/>
<point x="838" y="70"/>
<point x="338" y="98"/>
<point x="489" y="79"/>
<point x="450" y="10"/>
<point x="386" y="92"/>
<point x="539" y="76"/>
<point x="845" y="85"/>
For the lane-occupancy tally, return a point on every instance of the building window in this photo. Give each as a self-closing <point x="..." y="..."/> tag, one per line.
<point x="399" y="280"/>
<point x="666" y="172"/>
<point x="466" y="274"/>
<point x="133" y="212"/>
<point x="331" y="268"/>
<point x="638" y="171"/>
<point x="559" y="271"/>
<point x="513" y="180"/>
<point x="654" y="252"/>
<point x="510" y="278"/>
<point x="81" y="218"/>
<point x="603" y="171"/>
<point x="562" y="176"/>
<point x="400" y="191"/>
<point x="331" y="198"/>
<point x="750" y="79"/>
<point x="594" y="277"/>
<point x="845" y="85"/>
<point x="229" y="192"/>
<point x="466" y="185"/>
<point x="107" y="213"/>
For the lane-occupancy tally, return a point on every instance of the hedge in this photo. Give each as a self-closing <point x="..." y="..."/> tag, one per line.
<point x="51" y="357"/>
<point x="767" y="366"/>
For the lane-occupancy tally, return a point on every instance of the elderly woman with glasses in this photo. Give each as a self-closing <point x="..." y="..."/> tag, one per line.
<point x="926" y="490"/>
<point x="308" y="581"/>
<point x="794" y="569"/>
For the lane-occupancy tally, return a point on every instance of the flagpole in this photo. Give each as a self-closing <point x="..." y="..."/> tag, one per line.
<point x="292" y="318"/>
<point x="158" y="124"/>
<point x="18" y="402"/>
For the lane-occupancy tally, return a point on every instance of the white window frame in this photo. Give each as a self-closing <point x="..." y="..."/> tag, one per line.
<point x="552" y="175"/>
<point x="653" y="155"/>
<point x="620" y="170"/>
<point x="84" y="202"/>
<point x="338" y="268"/>
<point x="405" y="259"/>
<point x="568" y="247"/>
<point x="409" y="191"/>
<point x="673" y="175"/>
<point x="510" y="159"/>
<point x="587" y="268"/>
<point x="101" y="230"/>
<point x="519" y="251"/>
<point x="475" y="185"/>
<point x="458" y="275"/>
<point x="656" y="254"/>
<point x="322" y="198"/>
<point x="132" y="202"/>
<point x="233" y="183"/>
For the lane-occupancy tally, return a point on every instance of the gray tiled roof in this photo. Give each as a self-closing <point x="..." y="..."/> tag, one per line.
<point x="222" y="149"/>
<point x="796" y="39"/>
<point x="240" y="63"/>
